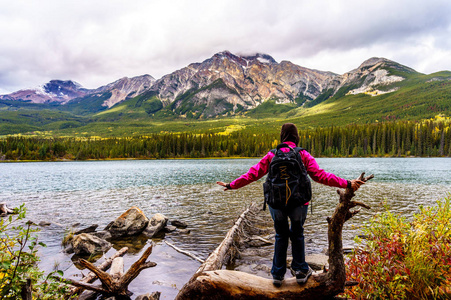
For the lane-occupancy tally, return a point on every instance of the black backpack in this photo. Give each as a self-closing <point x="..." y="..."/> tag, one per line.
<point x="287" y="183"/>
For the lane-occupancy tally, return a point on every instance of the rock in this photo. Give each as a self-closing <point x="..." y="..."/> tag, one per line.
<point x="179" y="224"/>
<point x="4" y="209"/>
<point x="47" y="223"/>
<point x="153" y="296"/>
<point x="88" y="244"/>
<point x="317" y="261"/>
<point x="108" y="226"/>
<point x="132" y="222"/>
<point x="184" y="231"/>
<point x="169" y="228"/>
<point x="156" y="223"/>
<point x="104" y="234"/>
<point x="76" y="225"/>
<point x="89" y="229"/>
<point x="69" y="249"/>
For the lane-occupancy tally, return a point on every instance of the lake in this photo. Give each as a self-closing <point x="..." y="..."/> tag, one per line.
<point x="97" y="192"/>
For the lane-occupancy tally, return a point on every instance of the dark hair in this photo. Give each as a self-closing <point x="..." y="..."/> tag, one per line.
<point x="289" y="133"/>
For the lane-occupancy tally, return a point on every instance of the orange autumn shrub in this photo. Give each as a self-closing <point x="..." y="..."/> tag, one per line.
<point x="404" y="259"/>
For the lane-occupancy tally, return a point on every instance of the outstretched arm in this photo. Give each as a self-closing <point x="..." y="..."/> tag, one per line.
<point x="330" y="179"/>
<point x="255" y="173"/>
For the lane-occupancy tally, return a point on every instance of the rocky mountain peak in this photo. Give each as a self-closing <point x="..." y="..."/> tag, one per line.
<point x="373" y="77"/>
<point x="245" y="60"/>
<point x="228" y="82"/>
<point x="60" y="91"/>
<point x="376" y="62"/>
<point x="64" y="88"/>
<point x="262" y="58"/>
<point x="373" y="61"/>
<point x="125" y="88"/>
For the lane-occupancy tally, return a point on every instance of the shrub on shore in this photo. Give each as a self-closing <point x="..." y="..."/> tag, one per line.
<point x="19" y="258"/>
<point x="404" y="259"/>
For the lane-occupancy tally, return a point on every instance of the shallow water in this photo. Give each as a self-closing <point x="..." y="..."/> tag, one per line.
<point x="99" y="191"/>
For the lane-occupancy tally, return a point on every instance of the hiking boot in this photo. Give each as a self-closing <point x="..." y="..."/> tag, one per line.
<point x="301" y="277"/>
<point x="277" y="281"/>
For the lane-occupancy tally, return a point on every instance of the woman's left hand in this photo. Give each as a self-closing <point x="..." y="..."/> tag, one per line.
<point x="355" y="184"/>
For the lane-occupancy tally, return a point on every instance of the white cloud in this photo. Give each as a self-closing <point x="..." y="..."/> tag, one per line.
<point x="97" y="42"/>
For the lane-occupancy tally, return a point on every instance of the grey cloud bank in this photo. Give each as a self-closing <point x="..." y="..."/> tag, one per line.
<point x="97" y="42"/>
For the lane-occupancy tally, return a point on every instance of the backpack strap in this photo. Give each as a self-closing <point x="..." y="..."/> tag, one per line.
<point x="298" y="150"/>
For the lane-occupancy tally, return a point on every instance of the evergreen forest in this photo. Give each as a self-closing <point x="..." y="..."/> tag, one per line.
<point x="394" y="139"/>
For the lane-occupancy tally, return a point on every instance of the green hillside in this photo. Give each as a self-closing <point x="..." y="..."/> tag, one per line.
<point x="421" y="97"/>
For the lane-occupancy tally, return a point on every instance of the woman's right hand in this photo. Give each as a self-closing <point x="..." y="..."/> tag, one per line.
<point x="222" y="184"/>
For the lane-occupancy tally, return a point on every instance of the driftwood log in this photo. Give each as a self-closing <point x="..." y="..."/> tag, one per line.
<point x="91" y="277"/>
<point x="224" y="252"/>
<point x="184" y="252"/>
<point x="210" y="282"/>
<point x="112" y="284"/>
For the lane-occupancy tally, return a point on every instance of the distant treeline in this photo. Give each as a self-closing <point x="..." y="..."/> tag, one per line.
<point x="406" y="138"/>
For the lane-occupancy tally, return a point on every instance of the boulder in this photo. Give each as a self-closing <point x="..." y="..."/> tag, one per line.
<point x="68" y="249"/>
<point x="87" y="244"/>
<point x="169" y="228"/>
<point x="131" y="222"/>
<point x="89" y="229"/>
<point x="317" y="261"/>
<point x="179" y="224"/>
<point x="103" y="234"/>
<point x="44" y="223"/>
<point x="156" y="223"/>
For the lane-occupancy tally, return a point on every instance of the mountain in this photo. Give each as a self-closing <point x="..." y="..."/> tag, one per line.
<point x="62" y="92"/>
<point x="226" y="84"/>
<point x="125" y="88"/>
<point x="58" y="91"/>
<point x="106" y="96"/>
<point x="375" y="76"/>
<point x="371" y="74"/>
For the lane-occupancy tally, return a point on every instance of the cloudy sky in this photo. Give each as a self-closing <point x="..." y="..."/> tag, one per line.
<point x="95" y="42"/>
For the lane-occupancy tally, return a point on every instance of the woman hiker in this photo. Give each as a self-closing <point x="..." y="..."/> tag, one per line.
<point x="289" y="136"/>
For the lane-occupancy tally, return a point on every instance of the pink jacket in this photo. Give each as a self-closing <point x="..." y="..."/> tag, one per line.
<point x="261" y="168"/>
